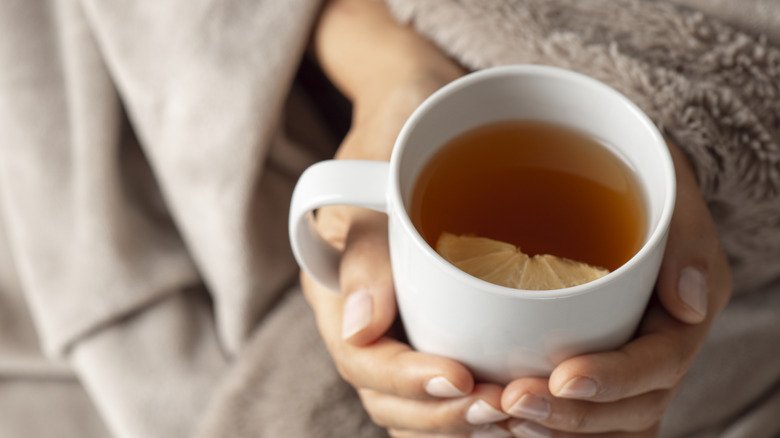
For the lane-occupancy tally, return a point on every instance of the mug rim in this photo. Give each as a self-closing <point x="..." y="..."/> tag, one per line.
<point x="398" y="207"/>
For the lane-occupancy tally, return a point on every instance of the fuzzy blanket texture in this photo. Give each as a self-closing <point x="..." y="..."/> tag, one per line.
<point x="147" y="156"/>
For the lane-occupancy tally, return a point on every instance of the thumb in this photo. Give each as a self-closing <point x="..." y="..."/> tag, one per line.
<point x="694" y="282"/>
<point x="366" y="279"/>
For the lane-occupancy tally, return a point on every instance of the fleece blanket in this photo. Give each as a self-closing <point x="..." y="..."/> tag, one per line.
<point x="147" y="155"/>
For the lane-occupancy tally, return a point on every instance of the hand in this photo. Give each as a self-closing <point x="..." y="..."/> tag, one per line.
<point x="386" y="70"/>
<point x="410" y="393"/>
<point x="624" y="393"/>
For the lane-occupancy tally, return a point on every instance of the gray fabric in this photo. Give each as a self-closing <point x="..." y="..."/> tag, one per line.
<point x="85" y="210"/>
<point x="758" y="17"/>
<point x="145" y="178"/>
<point x="152" y="374"/>
<point x="47" y="408"/>
<point x="286" y="385"/>
<point x="141" y="159"/>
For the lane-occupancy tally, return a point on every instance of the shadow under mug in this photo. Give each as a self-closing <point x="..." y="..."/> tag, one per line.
<point x="499" y="333"/>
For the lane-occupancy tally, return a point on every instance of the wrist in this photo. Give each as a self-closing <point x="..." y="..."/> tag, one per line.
<point x="399" y="93"/>
<point x="415" y="78"/>
<point x="367" y="54"/>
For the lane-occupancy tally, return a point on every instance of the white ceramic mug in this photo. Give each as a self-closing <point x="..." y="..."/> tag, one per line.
<point x="499" y="333"/>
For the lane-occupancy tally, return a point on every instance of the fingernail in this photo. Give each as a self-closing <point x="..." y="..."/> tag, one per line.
<point x="578" y="387"/>
<point x="490" y="431"/>
<point x="527" y="429"/>
<point x="481" y="413"/>
<point x="357" y="313"/>
<point x="531" y="407"/>
<point x="692" y="288"/>
<point x="441" y="387"/>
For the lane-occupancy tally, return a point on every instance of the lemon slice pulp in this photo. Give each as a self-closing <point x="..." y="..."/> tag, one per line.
<point x="506" y="265"/>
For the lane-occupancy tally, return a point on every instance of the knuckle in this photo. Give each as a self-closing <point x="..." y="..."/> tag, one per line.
<point x="333" y="345"/>
<point x="443" y="423"/>
<point x="401" y="383"/>
<point x="378" y="419"/>
<point x="397" y="385"/>
<point x="396" y="378"/>
<point x="682" y="364"/>
<point x="650" y="415"/>
<point x="643" y="422"/>
<point x="345" y="369"/>
<point x="442" y="420"/>
<point x="724" y="277"/>
<point x="577" y="420"/>
<point x="369" y="400"/>
<point x="649" y="432"/>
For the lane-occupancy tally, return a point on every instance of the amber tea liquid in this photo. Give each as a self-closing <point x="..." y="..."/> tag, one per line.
<point x="544" y="188"/>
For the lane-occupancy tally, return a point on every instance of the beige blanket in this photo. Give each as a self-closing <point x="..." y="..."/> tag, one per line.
<point x="147" y="154"/>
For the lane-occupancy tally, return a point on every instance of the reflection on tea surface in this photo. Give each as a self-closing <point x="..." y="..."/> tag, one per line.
<point x="534" y="185"/>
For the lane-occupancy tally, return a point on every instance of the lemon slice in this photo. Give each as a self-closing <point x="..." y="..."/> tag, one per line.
<point x="504" y="264"/>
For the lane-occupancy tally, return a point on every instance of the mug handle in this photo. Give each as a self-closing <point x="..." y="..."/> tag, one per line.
<point x="332" y="182"/>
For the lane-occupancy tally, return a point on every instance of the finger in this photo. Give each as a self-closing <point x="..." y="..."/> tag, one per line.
<point x="333" y="224"/>
<point x="486" y="431"/>
<point x="530" y="399"/>
<point x="657" y="359"/>
<point x="392" y="367"/>
<point x="386" y="365"/>
<point x="694" y="279"/>
<point x="399" y="433"/>
<point x="456" y="415"/>
<point x="366" y="279"/>
<point x="529" y="429"/>
<point x="491" y="431"/>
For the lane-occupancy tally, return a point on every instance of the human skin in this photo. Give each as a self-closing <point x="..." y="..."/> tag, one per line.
<point x="387" y="70"/>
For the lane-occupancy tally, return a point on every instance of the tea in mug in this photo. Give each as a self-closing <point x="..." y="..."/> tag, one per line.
<point x="544" y="188"/>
